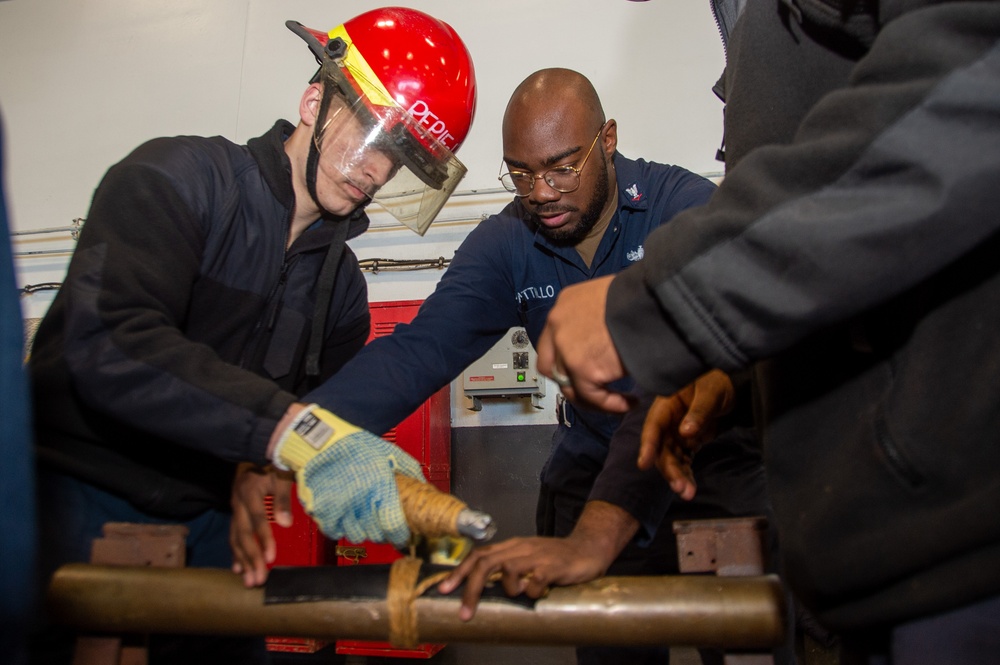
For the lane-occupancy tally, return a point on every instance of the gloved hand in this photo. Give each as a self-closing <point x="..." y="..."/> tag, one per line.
<point x="346" y="477"/>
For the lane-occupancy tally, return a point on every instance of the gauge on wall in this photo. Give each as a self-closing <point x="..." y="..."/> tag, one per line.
<point x="519" y="338"/>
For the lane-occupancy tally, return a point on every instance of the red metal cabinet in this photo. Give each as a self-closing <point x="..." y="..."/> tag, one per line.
<point x="425" y="434"/>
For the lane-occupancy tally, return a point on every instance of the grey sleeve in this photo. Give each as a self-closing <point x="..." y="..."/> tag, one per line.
<point x="886" y="183"/>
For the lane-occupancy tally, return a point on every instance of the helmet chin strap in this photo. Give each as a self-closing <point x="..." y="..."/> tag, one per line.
<point x="312" y="165"/>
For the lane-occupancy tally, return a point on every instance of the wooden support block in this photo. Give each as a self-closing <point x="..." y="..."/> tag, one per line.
<point x="123" y="544"/>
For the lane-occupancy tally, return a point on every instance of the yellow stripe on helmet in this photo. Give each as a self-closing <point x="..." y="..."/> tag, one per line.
<point x="355" y="63"/>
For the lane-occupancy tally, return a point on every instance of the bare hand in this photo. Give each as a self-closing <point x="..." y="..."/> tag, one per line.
<point x="250" y="533"/>
<point x="677" y="426"/>
<point x="531" y="565"/>
<point x="576" y="343"/>
<point x="524" y="565"/>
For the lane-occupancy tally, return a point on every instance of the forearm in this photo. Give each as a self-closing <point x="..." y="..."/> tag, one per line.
<point x="644" y="495"/>
<point x="603" y="531"/>
<point x="455" y="325"/>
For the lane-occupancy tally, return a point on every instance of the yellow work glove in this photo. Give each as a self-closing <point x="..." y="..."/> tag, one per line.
<point x="346" y="477"/>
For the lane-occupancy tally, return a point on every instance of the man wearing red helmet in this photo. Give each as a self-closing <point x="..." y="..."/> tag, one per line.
<point x="211" y="288"/>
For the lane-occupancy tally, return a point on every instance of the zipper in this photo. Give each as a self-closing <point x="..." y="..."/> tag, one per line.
<point x="726" y="13"/>
<point x="276" y="295"/>
<point x="269" y="316"/>
<point x="723" y="35"/>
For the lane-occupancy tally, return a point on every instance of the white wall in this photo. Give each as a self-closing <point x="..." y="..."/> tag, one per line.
<point x="82" y="83"/>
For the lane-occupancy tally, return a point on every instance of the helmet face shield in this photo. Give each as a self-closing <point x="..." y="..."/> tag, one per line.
<point x="386" y="155"/>
<point x="384" y="159"/>
<point x="347" y="142"/>
<point x="409" y="198"/>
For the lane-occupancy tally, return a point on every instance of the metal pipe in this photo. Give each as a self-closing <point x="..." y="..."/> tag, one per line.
<point x="683" y="610"/>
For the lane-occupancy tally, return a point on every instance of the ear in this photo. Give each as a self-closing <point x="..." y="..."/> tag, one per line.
<point x="610" y="142"/>
<point x="310" y="103"/>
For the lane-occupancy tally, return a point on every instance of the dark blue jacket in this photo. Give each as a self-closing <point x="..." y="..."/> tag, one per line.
<point x="507" y="274"/>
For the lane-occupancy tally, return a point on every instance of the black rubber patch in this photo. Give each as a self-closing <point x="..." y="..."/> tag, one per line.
<point x="303" y="584"/>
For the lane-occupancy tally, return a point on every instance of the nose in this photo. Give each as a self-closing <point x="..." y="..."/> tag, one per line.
<point x="377" y="167"/>
<point x="542" y="192"/>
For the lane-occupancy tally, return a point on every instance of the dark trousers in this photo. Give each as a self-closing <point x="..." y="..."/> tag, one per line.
<point x="72" y="514"/>
<point x="969" y="635"/>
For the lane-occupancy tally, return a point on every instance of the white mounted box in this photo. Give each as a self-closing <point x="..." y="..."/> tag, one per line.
<point x="507" y="369"/>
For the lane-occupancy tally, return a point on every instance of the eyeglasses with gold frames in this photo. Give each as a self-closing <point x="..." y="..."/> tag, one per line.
<point x="563" y="179"/>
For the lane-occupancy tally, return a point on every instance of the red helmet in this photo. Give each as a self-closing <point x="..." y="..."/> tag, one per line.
<point x="409" y="71"/>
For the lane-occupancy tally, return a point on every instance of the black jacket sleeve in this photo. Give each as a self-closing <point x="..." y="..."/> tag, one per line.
<point x="889" y="179"/>
<point x="645" y="495"/>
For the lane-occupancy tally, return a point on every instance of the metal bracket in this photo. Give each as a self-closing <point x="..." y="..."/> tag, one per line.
<point x="729" y="548"/>
<point x="154" y="545"/>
